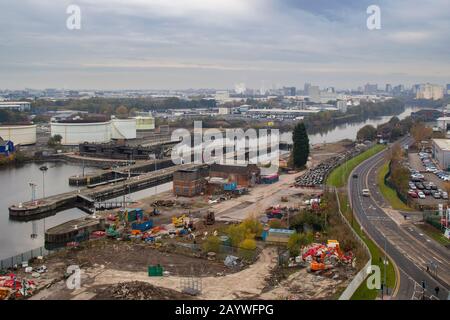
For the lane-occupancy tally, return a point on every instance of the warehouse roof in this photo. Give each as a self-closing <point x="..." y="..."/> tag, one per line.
<point x="443" y="144"/>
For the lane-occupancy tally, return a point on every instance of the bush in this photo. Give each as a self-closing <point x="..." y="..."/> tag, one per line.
<point x="297" y="240"/>
<point x="248" y="244"/>
<point x="212" y="244"/>
<point x="252" y="226"/>
<point x="248" y="229"/>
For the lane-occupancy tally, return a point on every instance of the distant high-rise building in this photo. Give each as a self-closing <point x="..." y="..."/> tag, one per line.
<point x="331" y="90"/>
<point x="240" y="88"/>
<point x="448" y="88"/>
<point x="370" y="88"/>
<point x="306" y="88"/>
<point x="388" y="88"/>
<point x="289" y="91"/>
<point x="314" y="94"/>
<point x="430" y="92"/>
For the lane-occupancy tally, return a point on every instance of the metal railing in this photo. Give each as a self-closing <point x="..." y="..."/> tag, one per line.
<point x="362" y="274"/>
<point x="24" y="257"/>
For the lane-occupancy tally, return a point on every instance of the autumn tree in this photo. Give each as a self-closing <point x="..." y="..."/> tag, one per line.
<point x="421" y="132"/>
<point x="122" y="112"/>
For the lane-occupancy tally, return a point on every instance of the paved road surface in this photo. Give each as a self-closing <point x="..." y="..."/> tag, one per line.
<point x="410" y="249"/>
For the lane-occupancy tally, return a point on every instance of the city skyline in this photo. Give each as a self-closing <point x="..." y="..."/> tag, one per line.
<point x="199" y="44"/>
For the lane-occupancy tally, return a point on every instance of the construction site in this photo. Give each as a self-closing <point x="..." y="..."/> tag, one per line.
<point x="224" y="233"/>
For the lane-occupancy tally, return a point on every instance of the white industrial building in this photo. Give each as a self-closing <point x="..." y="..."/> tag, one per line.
<point x="441" y="152"/>
<point x="74" y="133"/>
<point x="19" y="134"/>
<point x="15" y="105"/>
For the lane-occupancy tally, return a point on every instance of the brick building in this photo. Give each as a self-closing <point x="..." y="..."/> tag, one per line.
<point x="188" y="183"/>
<point x="245" y="176"/>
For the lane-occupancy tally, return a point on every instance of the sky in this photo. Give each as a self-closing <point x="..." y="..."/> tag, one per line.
<point x="181" y="44"/>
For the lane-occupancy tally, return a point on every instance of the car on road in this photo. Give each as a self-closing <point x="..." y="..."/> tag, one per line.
<point x="365" y="192"/>
<point x="355" y="176"/>
<point x="421" y="195"/>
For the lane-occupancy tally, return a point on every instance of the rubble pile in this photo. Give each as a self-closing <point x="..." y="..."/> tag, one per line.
<point x="15" y="287"/>
<point x="137" y="290"/>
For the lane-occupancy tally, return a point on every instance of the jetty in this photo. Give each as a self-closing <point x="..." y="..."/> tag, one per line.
<point x="86" y="197"/>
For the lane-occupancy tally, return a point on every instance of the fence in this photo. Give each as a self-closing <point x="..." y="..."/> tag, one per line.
<point x="362" y="274"/>
<point x="23" y="257"/>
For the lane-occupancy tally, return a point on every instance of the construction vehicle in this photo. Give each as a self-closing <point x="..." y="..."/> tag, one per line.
<point x="178" y="222"/>
<point x="209" y="218"/>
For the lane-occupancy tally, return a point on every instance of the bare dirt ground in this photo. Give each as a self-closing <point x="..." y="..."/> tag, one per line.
<point x="109" y="268"/>
<point x="246" y="284"/>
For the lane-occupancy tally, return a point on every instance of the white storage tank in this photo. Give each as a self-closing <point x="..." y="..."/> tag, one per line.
<point x="123" y="129"/>
<point x="19" y="134"/>
<point x="144" y="123"/>
<point x="74" y="133"/>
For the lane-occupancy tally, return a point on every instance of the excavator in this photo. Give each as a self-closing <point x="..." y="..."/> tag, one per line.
<point x="178" y="222"/>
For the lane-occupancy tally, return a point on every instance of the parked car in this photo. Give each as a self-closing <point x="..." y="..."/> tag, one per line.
<point x="445" y="195"/>
<point x="412" y="186"/>
<point x="427" y="192"/>
<point x="419" y="186"/>
<point x="412" y="194"/>
<point x="421" y="195"/>
<point x="437" y="195"/>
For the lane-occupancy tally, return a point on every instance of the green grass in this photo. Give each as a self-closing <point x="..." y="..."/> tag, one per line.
<point x="339" y="176"/>
<point x="389" y="193"/>
<point x="434" y="233"/>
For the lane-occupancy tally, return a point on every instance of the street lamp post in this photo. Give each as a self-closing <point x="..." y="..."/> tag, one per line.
<point x="43" y="169"/>
<point x="33" y="199"/>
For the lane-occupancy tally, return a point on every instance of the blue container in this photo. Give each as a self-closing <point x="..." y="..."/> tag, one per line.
<point x="144" y="226"/>
<point x="230" y="186"/>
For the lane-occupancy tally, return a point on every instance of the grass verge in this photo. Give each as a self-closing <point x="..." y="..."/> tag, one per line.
<point x="434" y="233"/>
<point x="389" y="193"/>
<point x="338" y="177"/>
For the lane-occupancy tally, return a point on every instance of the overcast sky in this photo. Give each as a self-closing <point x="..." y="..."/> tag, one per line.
<point x="177" y="44"/>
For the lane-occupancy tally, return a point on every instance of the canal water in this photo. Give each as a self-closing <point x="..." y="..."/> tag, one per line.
<point x="15" y="237"/>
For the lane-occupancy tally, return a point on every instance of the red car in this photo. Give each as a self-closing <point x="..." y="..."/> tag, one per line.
<point x="412" y="194"/>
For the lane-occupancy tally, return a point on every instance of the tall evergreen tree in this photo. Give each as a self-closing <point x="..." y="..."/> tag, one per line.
<point x="300" y="152"/>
